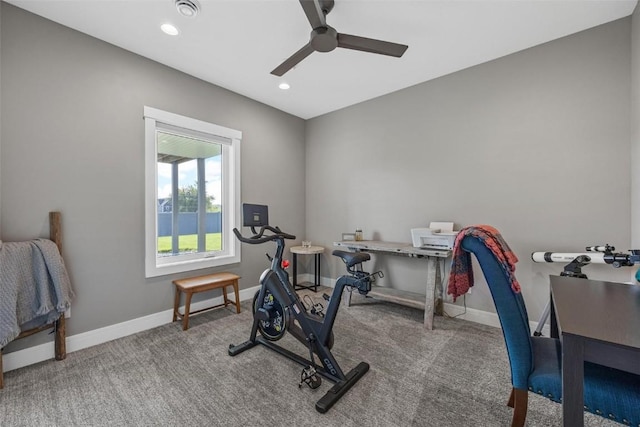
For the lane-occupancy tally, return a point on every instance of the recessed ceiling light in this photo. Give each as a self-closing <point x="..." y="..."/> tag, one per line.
<point x="169" y="29"/>
<point x="188" y="8"/>
<point x="284" y="86"/>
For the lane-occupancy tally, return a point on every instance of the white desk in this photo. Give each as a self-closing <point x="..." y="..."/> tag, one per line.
<point x="429" y="302"/>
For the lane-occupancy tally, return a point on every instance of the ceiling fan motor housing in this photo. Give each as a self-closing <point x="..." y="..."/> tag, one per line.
<point x="324" y="39"/>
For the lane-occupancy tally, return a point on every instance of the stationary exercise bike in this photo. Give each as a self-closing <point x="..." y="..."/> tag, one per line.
<point x="277" y="309"/>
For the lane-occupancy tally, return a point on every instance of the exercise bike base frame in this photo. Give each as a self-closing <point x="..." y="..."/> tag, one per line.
<point x="334" y="394"/>
<point x="343" y="382"/>
<point x="340" y="388"/>
<point x="237" y="349"/>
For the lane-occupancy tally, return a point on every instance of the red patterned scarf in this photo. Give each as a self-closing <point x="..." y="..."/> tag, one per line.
<point x="461" y="276"/>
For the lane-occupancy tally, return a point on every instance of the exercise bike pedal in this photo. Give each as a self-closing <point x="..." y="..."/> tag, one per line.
<point x="310" y="377"/>
<point x="318" y="310"/>
<point x="315" y="307"/>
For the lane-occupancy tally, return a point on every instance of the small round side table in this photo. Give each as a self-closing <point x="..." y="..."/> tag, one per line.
<point x="311" y="250"/>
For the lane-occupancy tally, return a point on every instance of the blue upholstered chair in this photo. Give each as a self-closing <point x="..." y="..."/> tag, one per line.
<point x="536" y="362"/>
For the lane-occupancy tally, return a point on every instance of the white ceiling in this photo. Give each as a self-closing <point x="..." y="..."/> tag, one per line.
<point x="236" y="43"/>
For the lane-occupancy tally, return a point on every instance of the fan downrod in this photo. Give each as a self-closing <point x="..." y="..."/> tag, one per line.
<point x="327" y="6"/>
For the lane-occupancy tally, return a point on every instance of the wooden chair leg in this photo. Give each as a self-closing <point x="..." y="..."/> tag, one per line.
<point x="187" y="309"/>
<point x="176" y="304"/>
<point x="61" y="338"/>
<point x="237" y="294"/>
<point x="225" y="298"/>
<point x="518" y="400"/>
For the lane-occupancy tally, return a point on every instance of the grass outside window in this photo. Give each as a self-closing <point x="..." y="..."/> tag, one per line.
<point x="189" y="243"/>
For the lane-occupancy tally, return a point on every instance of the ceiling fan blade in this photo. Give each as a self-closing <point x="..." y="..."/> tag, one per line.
<point x="348" y="41"/>
<point x="293" y="60"/>
<point x="314" y="13"/>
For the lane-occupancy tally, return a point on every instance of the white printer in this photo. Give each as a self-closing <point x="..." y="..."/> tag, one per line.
<point x="439" y="235"/>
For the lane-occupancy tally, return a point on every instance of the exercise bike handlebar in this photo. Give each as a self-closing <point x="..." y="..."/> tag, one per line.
<point x="259" y="237"/>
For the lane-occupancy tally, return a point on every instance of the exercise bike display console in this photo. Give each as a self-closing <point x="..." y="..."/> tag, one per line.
<point x="277" y="309"/>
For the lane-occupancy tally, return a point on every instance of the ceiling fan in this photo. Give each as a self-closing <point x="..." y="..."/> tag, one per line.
<point x="325" y="38"/>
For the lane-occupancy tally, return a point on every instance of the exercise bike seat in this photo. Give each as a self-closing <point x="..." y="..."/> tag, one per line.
<point x="352" y="258"/>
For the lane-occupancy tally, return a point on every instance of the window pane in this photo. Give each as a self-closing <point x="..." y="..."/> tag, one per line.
<point x="192" y="193"/>
<point x="189" y="178"/>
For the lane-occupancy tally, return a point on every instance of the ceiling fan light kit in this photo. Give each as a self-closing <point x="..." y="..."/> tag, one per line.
<point x="325" y="38"/>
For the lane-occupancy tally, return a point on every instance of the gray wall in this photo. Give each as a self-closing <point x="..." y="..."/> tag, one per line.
<point x="635" y="128"/>
<point x="535" y="144"/>
<point x="73" y="140"/>
<point x="0" y="124"/>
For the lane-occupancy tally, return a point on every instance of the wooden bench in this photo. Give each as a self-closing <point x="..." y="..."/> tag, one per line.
<point x="193" y="285"/>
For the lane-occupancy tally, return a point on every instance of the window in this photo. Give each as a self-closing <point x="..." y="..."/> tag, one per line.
<point x="192" y="193"/>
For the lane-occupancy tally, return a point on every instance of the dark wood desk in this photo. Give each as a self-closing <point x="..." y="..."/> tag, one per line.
<point x="598" y="322"/>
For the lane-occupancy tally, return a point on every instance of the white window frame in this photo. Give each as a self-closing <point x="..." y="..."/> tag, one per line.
<point x="161" y="120"/>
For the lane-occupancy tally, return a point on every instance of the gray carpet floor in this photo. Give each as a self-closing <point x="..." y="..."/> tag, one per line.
<point x="455" y="375"/>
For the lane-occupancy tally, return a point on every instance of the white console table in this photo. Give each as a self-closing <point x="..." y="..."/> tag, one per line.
<point x="430" y="303"/>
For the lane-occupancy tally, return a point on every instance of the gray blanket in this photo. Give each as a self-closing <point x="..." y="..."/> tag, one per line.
<point x="34" y="286"/>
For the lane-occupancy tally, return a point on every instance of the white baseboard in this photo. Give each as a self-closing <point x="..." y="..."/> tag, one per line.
<point x="42" y="352"/>
<point x="471" y="314"/>
<point x="484" y="317"/>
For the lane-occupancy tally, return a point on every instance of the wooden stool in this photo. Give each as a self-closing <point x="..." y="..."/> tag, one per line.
<point x="197" y="284"/>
